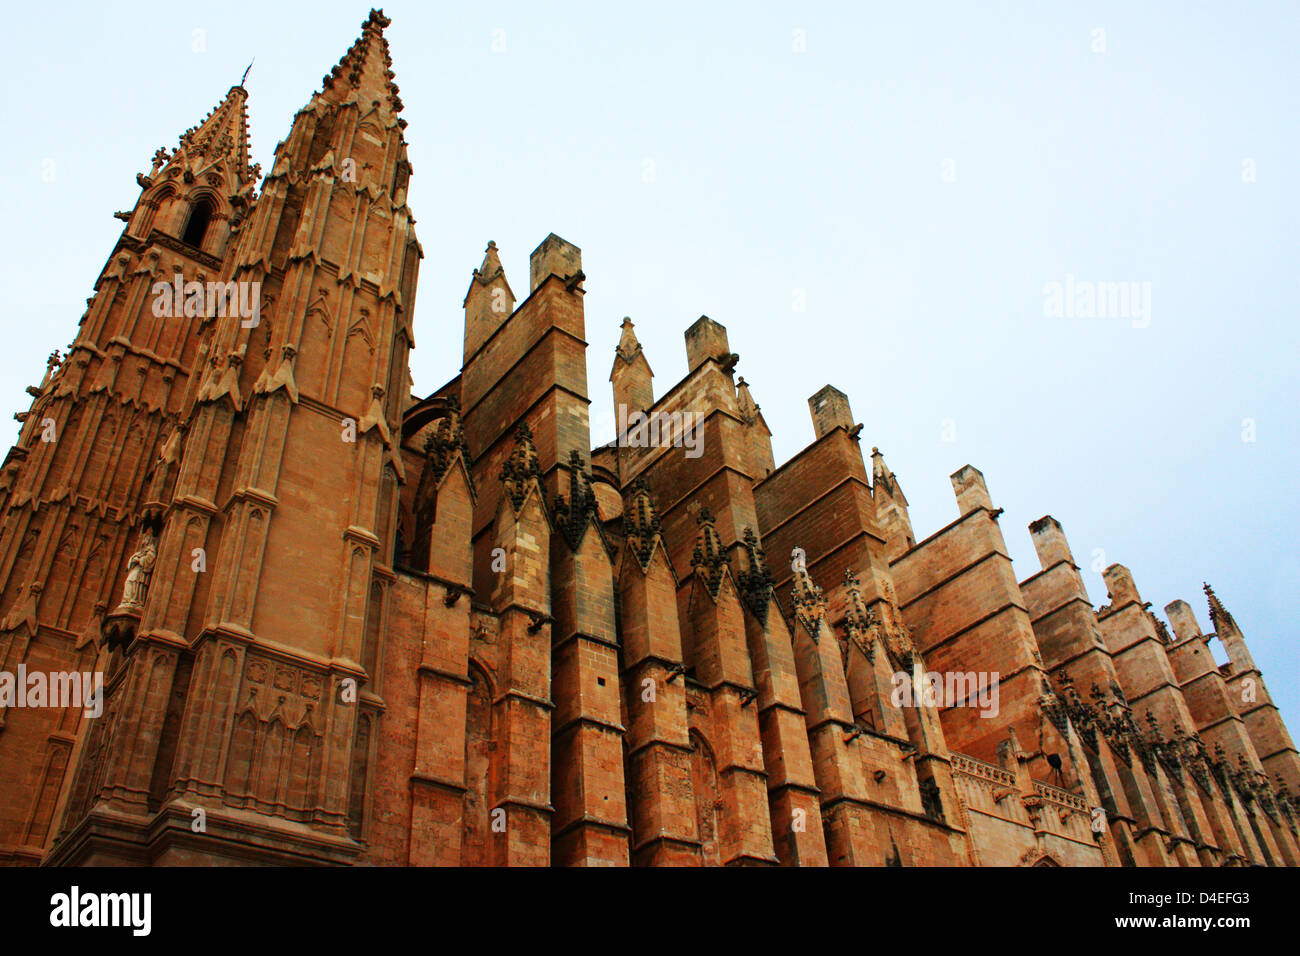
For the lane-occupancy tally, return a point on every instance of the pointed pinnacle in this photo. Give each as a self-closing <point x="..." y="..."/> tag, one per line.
<point x="362" y="66"/>
<point x="628" y="344"/>
<point x="221" y="134"/>
<point x="881" y="476"/>
<point x="1218" y="613"/>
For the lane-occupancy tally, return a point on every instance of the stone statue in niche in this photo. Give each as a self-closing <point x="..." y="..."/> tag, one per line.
<point x="139" y="569"/>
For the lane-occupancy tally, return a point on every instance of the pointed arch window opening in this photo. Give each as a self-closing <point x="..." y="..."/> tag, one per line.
<point x="196" y="226"/>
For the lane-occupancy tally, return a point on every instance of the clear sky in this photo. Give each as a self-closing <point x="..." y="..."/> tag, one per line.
<point x="914" y="179"/>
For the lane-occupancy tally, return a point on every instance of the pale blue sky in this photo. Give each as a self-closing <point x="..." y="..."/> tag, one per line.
<point x="778" y="174"/>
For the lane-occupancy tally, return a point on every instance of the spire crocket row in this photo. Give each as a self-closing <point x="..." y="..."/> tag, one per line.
<point x="324" y="620"/>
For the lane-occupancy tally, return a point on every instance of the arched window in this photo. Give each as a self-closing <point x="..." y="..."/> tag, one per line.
<point x="197" y="226"/>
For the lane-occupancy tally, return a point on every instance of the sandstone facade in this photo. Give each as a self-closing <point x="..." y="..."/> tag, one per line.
<point x="340" y="623"/>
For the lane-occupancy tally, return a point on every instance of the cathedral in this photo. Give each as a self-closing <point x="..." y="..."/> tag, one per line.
<point x="332" y="616"/>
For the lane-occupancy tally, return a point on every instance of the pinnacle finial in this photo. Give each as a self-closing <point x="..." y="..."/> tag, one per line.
<point x="491" y="266"/>
<point x="709" y="559"/>
<point x="522" y="467"/>
<point x="362" y="66"/>
<point x="641" y="521"/>
<point x="243" y="79"/>
<point x="221" y="136"/>
<point x="756" y="580"/>
<point x="881" y="476"/>
<point x="1219" y="615"/>
<point x="745" y="402"/>
<point x="806" y="597"/>
<point x="628" y="344"/>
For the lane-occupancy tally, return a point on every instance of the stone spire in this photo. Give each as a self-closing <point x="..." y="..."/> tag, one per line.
<point x="757" y="436"/>
<point x="365" y="73"/>
<point x="488" y="303"/>
<point x="631" y="375"/>
<point x="1230" y="636"/>
<point x="1219" y="616"/>
<point x="745" y="402"/>
<point x="628" y="347"/>
<point x="884" y="480"/>
<point x="491" y="267"/>
<point x="210" y="168"/>
<point x="891" y="507"/>
<point x="222" y="136"/>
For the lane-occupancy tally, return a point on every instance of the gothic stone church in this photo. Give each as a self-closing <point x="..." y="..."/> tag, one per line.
<point x="341" y="623"/>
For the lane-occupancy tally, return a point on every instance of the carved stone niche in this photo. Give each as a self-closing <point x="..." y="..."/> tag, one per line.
<point x="122" y="623"/>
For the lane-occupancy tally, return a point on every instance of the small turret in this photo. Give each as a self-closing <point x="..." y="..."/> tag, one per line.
<point x="1234" y="642"/>
<point x="488" y="303"/>
<point x="891" y="507"/>
<point x="632" y="377"/>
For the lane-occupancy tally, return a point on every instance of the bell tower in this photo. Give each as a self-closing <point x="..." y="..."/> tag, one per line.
<point x="248" y="697"/>
<point x="73" y="485"/>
